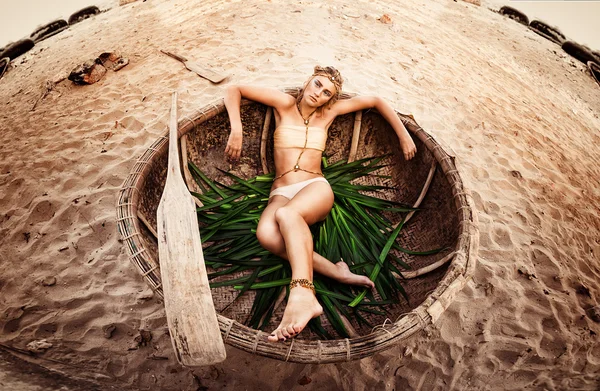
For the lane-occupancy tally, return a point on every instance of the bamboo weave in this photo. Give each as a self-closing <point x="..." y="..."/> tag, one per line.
<point x="442" y="286"/>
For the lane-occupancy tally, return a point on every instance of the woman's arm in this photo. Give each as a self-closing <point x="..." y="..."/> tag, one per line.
<point x="233" y="97"/>
<point x="356" y="103"/>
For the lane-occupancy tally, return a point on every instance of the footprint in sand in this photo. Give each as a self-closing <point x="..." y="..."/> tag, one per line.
<point x="12" y="317"/>
<point x="46" y="330"/>
<point x="42" y="211"/>
<point x="501" y="236"/>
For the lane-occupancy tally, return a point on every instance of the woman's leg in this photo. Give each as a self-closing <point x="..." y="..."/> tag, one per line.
<point x="270" y="238"/>
<point x="307" y="207"/>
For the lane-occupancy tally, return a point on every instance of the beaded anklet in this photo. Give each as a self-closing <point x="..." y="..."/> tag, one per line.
<point x="304" y="283"/>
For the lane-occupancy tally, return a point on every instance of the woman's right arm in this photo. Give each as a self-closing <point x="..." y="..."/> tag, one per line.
<point x="233" y="97"/>
<point x="232" y="100"/>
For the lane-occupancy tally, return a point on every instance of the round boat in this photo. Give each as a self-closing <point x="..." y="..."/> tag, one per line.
<point x="83" y="14"/>
<point x="514" y="14"/>
<point x="17" y="49"/>
<point x="48" y="30"/>
<point x="551" y="33"/>
<point x="446" y="219"/>
<point x="579" y="52"/>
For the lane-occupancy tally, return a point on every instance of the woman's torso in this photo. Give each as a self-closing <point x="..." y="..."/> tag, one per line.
<point x="286" y="158"/>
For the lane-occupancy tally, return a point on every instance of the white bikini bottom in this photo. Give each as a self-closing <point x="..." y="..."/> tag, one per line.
<point x="290" y="191"/>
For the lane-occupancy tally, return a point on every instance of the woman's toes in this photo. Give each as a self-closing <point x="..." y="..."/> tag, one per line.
<point x="290" y="330"/>
<point x="297" y="329"/>
<point x="276" y="336"/>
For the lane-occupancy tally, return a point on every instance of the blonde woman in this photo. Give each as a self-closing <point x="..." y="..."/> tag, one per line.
<point x="300" y="195"/>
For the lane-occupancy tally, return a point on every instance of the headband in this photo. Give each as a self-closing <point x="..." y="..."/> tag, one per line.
<point x="326" y="75"/>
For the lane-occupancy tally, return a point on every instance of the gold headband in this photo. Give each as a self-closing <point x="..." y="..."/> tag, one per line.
<point x="326" y="75"/>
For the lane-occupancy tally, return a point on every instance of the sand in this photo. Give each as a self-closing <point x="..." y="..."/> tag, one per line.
<point x="519" y="114"/>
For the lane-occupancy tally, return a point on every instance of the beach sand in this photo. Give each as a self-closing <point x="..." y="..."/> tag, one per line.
<point x="520" y="116"/>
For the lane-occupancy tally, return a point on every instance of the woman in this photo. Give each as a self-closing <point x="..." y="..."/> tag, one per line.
<point x="300" y="195"/>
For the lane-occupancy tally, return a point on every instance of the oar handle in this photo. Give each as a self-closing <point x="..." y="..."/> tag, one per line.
<point x="173" y="130"/>
<point x="175" y="56"/>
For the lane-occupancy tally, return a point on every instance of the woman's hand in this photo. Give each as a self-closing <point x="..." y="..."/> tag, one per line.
<point x="408" y="147"/>
<point x="234" y="144"/>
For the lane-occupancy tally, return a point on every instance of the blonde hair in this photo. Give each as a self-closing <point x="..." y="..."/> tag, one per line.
<point x="334" y="76"/>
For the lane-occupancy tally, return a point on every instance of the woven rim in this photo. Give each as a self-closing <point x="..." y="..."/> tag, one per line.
<point x="382" y="337"/>
<point x="594" y="70"/>
<point x="3" y="65"/>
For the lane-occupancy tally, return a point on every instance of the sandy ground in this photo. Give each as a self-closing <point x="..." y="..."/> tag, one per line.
<point x="520" y="115"/>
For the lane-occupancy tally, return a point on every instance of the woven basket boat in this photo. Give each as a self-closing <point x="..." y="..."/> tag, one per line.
<point x="446" y="219"/>
<point x="551" y="33"/>
<point x="514" y="14"/>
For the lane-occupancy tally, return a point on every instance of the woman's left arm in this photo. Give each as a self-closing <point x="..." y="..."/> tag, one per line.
<point x="344" y="106"/>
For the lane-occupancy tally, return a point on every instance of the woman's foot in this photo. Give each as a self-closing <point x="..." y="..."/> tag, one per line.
<point x="301" y="307"/>
<point x="347" y="277"/>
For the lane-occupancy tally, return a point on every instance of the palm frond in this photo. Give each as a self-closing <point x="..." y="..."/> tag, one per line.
<point x="356" y="231"/>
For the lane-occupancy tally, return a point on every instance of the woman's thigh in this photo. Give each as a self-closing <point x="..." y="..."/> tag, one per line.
<point x="313" y="203"/>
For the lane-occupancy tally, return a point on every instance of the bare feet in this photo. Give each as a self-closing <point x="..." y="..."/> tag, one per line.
<point x="347" y="277"/>
<point x="302" y="306"/>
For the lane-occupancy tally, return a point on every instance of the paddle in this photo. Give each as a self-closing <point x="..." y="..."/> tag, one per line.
<point x="191" y="315"/>
<point x="196" y="68"/>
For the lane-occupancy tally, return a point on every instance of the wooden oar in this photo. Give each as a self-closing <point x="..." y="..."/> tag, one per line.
<point x="191" y="315"/>
<point x="196" y="68"/>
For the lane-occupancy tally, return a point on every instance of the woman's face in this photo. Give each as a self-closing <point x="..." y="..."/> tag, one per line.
<point x="318" y="91"/>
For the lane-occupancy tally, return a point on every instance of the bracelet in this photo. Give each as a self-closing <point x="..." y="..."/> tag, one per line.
<point x="304" y="283"/>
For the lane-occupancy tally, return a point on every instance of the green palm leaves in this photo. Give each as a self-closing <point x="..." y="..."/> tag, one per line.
<point x="355" y="231"/>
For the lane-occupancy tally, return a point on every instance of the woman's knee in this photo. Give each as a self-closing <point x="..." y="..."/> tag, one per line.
<point x="286" y="214"/>
<point x="268" y="237"/>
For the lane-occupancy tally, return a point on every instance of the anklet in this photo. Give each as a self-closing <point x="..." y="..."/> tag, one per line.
<point x="304" y="283"/>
